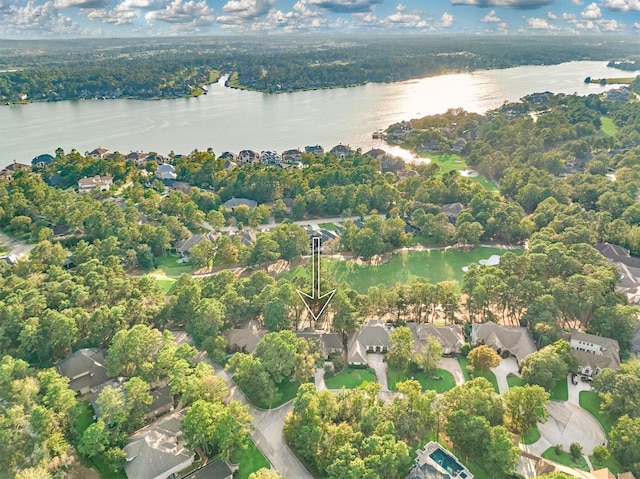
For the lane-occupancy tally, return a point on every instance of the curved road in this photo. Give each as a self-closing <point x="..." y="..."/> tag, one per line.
<point x="267" y="434"/>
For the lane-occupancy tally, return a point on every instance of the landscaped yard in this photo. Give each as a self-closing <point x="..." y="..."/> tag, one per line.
<point x="560" y="392"/>
<point x="350" y="378"/>
<point x="166" y="284"/>
<point x="488" y="375"/>
<point x="426" y="380"/>
<point x="590" y="401"/>
<point x="611" y="463"/>
<point x="531" y="436"/>
<point x="328" y="226"/>
<point x="565" y="458"/>
<point x="513" y="381"/>
<point x="403" y="267"/>
<point x="249" y="459"/>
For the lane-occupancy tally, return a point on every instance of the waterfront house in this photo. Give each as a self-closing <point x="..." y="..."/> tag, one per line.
<point x="292" y="156"/>
<point x="341" y="150"/>
<point x="42" y="160"/>
<point x="97" y="153"/>
<point x="248" y="156"/>
<point x="227" y="155"/>
<point x="270" y="158"/>
<point x="452" y="211"/>
<point x="315" y="150"/>
<point x="514" y="340"/>
<point x="102" y="183"/>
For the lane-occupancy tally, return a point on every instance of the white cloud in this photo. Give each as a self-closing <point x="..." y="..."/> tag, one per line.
<point x="301" y="18"/>
<point x="592" y="12"/>
<point x="39" y="20"/>
<point x="192" y="13"/>
<point x="577" y="3"/>
<point x="446" y="21"/>
<point x="534" y="23"/>
<point x="622" y="5"/>
<point x="240" y="12"/>
<point x="636" y="26"/>
<point x="552" y="16"/>
<point x="491" y="17"/>
<point x="112" y="16"/>
<point x="520" y="4"/>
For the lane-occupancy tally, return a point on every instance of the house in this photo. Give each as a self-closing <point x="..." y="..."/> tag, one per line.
<point x="340" y="150"/>
<point x="158" y="451"/>
<point x="328" y="343"/>
<point x="166" y="171"/>
<point x="42" y="160"/>
<point x="8" y="172"/>
<point x="102" y="183"/>
<point x="245" y="337"/>
<point x="248" y="156"/>
<point x="594" y="353"/>
<point x="138" y="157"/>
<point x="376" y="153"/>
<point x="270" y="157"/>
<point x="451" y="337"/>
<point x="292" y="156"/>
<point x="435" y="462"/>
<point x="183" y="246"/>
<point x="230" y="165"/>
<point x="626" y="475"/>
<point x="316" y="150"/>
<point x="235" y="202"/>
<point x="183" y="187"/>
<point x="247" y="237"/>
<point x="162" y="402"/>
<point x="515" y="340"/>
<point x="228" y="156"/>
<point x="97" y="153"/>
<point x="452" y="210"/>
<point x="218" y="469"/>
<point x="86" y="370"/>
<point x="372" y="336"/>
<point x="629" y="268"/>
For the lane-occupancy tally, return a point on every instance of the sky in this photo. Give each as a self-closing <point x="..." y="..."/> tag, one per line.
<point x="25" y="19"/>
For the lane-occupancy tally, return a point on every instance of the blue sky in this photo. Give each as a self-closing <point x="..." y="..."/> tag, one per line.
<point x="23" y="19"/>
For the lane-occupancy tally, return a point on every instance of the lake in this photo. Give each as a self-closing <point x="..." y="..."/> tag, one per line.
<point x="228" y="119"/>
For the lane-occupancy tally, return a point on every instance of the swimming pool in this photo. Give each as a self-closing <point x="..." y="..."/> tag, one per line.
<point x="448" y="463"/>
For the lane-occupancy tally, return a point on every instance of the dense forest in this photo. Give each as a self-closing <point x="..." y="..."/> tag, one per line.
<point x="60" y="70"/>
<point x="565" y="177"/>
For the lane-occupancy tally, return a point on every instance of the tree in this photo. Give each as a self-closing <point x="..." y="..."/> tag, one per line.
<point x="276" y="315"/>
<point x="201" y="255"/>
<point x="95" y="439"/>
<point x="264" y="250"/>
<point x="251" y="376"/>
<point x="207" y="320"/>
<point x="265" y="473"/>
<point x="483" y="358"/>
<point x="278" y="353"/>
<point x="525" y="406"/>
<point x="601" y="453"/>
<point x="501" y="453"/>
<point x="292" y="239"/>
<point x="112" y="406"/>
<point x="137" y="400"/>
<point x="575" y="449"/>
<point x="430" y="355"/>
<point x="401" y="345"/>
<point x="215" y="219"/>
<point x="624" y="442"/>
<point x="471" y="434"/>
<point x="134" y="352"/>
<point x="544" y="368"/>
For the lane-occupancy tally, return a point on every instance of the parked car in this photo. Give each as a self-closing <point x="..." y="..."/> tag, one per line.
<point x="586" y="379"/>
<point x="574" y="378"/>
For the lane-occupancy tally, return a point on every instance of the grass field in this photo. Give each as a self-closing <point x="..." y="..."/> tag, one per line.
<point x="565" y="458"/>
<point x="560" y="392"/>
<point x="531" y="436"/>
<point x="513" y="381"/>
<point x="249" y="459"/>
<point x="447" y="382"/>
<point x="166" y="284"/>
<point x="328" y="226"/>
<point x="350" y="378"/>
<point x="590" y="401"/>
<point x="403" y="267"/>
<point x="452" y="162"/>
<point x="488" y="375"/>
<point x="608" y="127"/>
<point x="169" y="266"/>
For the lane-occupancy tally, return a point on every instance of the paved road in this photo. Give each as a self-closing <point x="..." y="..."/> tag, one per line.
<point x="268" y="433"/>
<point x="453" y="366"/>
<point x="507" y="366"/>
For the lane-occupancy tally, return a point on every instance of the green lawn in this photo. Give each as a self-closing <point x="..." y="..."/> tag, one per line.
<point x="560" y="392"/>
<point x="169" y="266"/>
<point x="105" y="472"/>
<point x="249" y="459"/>
<point x="166" y="284"/>
<point x="565" y="458"/>
<point x="474" y="467"/>
<point x="591" y="402"/>
<point x="513" y="381"/>
<point x="85" y="418"/>
<point x="608" y="127"/>
<point x="403" y="267"/>
<point x="328" y="226"/>
<point x="287" y="390"/>
<point x="531" y="436"/>
<point x="452" y="162"/>
<point x="488" y="375"/>
<point x="350" y="378"/>
<point x="394" y="376"/>
<point x="611" y="463"/>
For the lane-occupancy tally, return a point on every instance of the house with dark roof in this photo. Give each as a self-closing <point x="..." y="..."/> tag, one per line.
<point x="235" y="202"/>
<point x="42" y="160"/>
<point x="8" y="172"/>
<point x="227" y="155"/>
<point x="292" y="156"/>
<point x="158" y="451"/>
<point x="97" y="153"/>
<point x="248" y="156"/>
<point x="515" y="340"/>
<point x="594" y="353"/>
<point x="218" y="469"/>
<point x="452" y="210"/>
<point x="86" y="370"/>
<point x="628" y="266"/>
<point x="230" y="165"/>
<point x="183" y="246"/>
<point x="161" y="402"/>
<point x="315" y="150"/>
<point x="373" y="336"/>
<point x="328" y="343"/>
<point x="450" y="337"/>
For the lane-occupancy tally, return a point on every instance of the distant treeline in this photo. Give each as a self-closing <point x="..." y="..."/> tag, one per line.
<point x="165" y="68"/>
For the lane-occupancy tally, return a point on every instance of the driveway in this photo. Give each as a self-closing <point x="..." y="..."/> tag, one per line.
<point x="507" y="366"/>
<point x="376" y="361"/>
<point x="267" y="434"/>
<point x="319" y="379"/>
<point x="568" y="423"/>
<point x="17" y="248"/>
<point x="453" y="366"/>
<point x="574" y="390"/>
